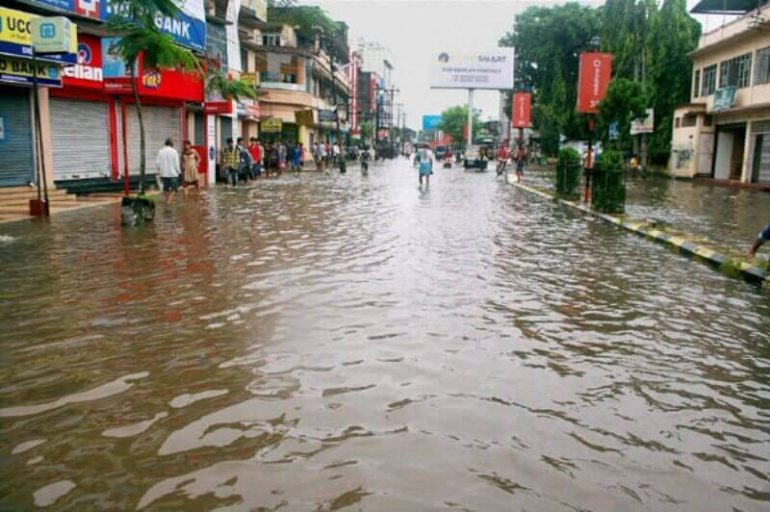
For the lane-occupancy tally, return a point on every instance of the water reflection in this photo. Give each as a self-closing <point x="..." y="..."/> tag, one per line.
<point x="321" y="342"/>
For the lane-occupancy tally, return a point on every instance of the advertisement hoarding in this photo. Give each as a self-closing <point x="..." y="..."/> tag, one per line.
<point x="430" y="122"/>
<point x="522" y="110"/>
<point x="88" y="71"/>
<point x="593" y="78"/>
<point x="491" y="69"/>
<point x="646" y="125"/>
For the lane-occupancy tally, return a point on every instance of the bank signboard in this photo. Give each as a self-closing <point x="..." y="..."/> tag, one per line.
<point x="16" y="37"/>
<point x="22" y="71"/>
<point x="492" y="69"/>
<point x="88" y="71"/>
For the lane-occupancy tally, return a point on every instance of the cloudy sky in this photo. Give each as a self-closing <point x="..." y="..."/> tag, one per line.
<point x="415" y="31"/>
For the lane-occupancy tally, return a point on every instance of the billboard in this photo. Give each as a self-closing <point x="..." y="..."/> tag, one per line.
<point x="522" y="110"/>
<point x="593" y="78"/>
<point x="430" y="122"/>
<point x="491" y="69"/>
<point x="646" y="125"/>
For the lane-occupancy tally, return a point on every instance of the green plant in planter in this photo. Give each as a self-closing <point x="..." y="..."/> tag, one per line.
<point x="608" y="194"/>
<point x="568" y="170"/>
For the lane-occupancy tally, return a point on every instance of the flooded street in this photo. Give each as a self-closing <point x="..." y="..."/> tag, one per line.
<point x="328" y="342"/>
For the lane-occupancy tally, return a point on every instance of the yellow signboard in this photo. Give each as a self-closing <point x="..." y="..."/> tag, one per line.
<point x="271" y="125"/>
<point x="15" y="27"/>
<point x="22" y="71"/>
<point x="304" y="117"/>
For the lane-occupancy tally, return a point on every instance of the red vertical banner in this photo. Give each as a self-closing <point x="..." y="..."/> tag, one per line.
<point x="593" y="78"/>
<point x="522" y="110"/>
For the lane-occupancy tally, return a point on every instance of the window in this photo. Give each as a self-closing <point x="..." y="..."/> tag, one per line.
<point x="244" y="60"/>
<point x="271" y="39"/>
<point x="689" y="120"/>
<point x="735" y="72"/>
<point x="762" y="67"/>
<point x="709" y="80"/>
<point x="677" y="122"/>
<point x="696" y="84"/>
<point x="708" y="120"/>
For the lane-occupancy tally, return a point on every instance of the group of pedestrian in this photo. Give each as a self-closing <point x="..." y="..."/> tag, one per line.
<point x="241" y="163"/>
<point x="518" y="157"/>
<point x="325" y="154"/>
<point x="170" y="168"/>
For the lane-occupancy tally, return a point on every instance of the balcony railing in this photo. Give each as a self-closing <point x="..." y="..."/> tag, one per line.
<point x="283" y="78"/>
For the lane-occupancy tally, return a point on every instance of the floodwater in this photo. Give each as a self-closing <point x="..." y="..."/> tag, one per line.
<point x="328" y="342"/>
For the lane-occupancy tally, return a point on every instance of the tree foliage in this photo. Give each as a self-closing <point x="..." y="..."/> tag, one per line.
<point x="625" y="101"/>
<point x="649" y="40"/>
<point x="230" y="88"/>
<point x="309" y="21"/>
<point x="453" y="122"/>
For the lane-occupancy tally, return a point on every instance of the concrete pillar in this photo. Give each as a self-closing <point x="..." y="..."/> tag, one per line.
<point x="45" y="131"/>
<point x="745" y="168"/>
<point x="211" y="147"/>
<point x="191" y="130"/>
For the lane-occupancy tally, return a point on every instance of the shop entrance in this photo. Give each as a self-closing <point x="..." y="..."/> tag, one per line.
<point x="728" y="163"/>
<point x="16" y="149"/>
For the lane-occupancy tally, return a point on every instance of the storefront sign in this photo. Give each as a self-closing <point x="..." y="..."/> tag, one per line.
<point x="304" y="117"/>
<point x="646" y="125"/>
<point x="88" y="71"/>
<point x="492" y="69"/>
<point x="724" y="98"/>
<point x="92" y="9"/>
<point x="188" y="28"/>
<point x="593" y="79"/>
<point x="327" y="116"/>
<point x="272" y="125"/>
<point x="22" y="71"/>
<point x="522" y="110"/>
<point x="248" y="108"/>
<point x="430" y="122"/>
<point x="218" y="107"/>
<point x="16" y="37"/>
<point x="54" y="34"/>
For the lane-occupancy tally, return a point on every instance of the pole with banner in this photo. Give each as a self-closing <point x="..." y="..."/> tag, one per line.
<point x="593" y="78"/>
<point x="521" y="114"/>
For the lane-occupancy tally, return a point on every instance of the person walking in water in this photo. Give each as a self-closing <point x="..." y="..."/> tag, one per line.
<point x="426" y="165"/>
<point x="762" y="237"/>
<point x="366" y="157"/>
<point x="167" y="164"/>
<point x="231" y="157"/>
<point x="190" y="162"/>
<point x="521" y="159"/>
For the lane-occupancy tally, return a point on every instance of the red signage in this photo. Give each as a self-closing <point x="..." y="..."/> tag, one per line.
<point x="218" y="107"/>
<point x="522" y="110"/>
<point x="593" y="79"/>
<point x="373" y="94"/>
<point x="88" y="70"/>
<point x="166" y="84"/>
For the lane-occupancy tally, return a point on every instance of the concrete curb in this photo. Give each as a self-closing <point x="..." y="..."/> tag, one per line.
<point x="684" y="244"/>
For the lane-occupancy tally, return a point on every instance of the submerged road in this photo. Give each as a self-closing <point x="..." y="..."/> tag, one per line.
<point x="323" y="342"/>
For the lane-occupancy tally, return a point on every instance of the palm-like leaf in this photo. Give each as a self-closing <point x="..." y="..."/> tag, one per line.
<point x="231" y="88"/>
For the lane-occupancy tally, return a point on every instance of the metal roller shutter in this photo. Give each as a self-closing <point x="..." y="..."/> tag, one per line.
<point x="761" y="169"/>
<point x="160" y="123"/>
<point x="17" y="160"/>
<point x="80" y="139"/>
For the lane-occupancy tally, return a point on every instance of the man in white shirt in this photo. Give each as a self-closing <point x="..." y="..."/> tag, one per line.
<point x="167" y="164"/>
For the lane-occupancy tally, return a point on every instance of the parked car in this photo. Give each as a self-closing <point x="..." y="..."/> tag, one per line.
<point x="440" y="152"/>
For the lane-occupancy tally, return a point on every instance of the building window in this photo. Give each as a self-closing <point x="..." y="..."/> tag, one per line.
<point x="271" y="39"/>
<point x="735" y="72"/>
<point x="244" y="60"/>
<point x="709" y="80"/>
<point x="689" y="120"/>
<point x="708" y="120"/>
<point x="677" y="122"/>
<point x="696" y="84"/>
<point x="762" y="67"/>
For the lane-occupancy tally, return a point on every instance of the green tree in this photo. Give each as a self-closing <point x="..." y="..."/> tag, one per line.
<point x="134" y="24"/>
<point x="625" y="100"/>
<point x="230" y="88"/>
<point x="548" y="41"/>
<point x="366" y="131"/>
<point x="453" y="122"/>
<point x="673" y="34"/>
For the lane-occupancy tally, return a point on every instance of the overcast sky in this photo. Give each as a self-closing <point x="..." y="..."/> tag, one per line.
<point x="415" y="31"/>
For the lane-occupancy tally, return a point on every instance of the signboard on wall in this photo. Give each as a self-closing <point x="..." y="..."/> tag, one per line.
<point x="22" y="71"/>
<point x="492" y="69"/>
<point x="16" y="37"/>
<point x="646" y="125"/>
<point x="271" y="125"/>
<point x="522" y="110"/>
<point x="88" y="71"/>
<point x="724" y="98"/>
<point x="593" y="78"/>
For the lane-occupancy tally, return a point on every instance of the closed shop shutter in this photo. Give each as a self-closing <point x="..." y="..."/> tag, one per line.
<point x="760" y="151"/>
<point x="80" y="138"/>
<point x="17" y="161"/>
<point x="160" y="123"/>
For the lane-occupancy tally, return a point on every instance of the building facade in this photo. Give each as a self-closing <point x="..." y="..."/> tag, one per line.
<point x="724" y="132"/>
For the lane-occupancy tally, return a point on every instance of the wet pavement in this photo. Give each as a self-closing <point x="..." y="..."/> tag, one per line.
<point x="327" y="342"/>
<point x="730" y="217"/>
